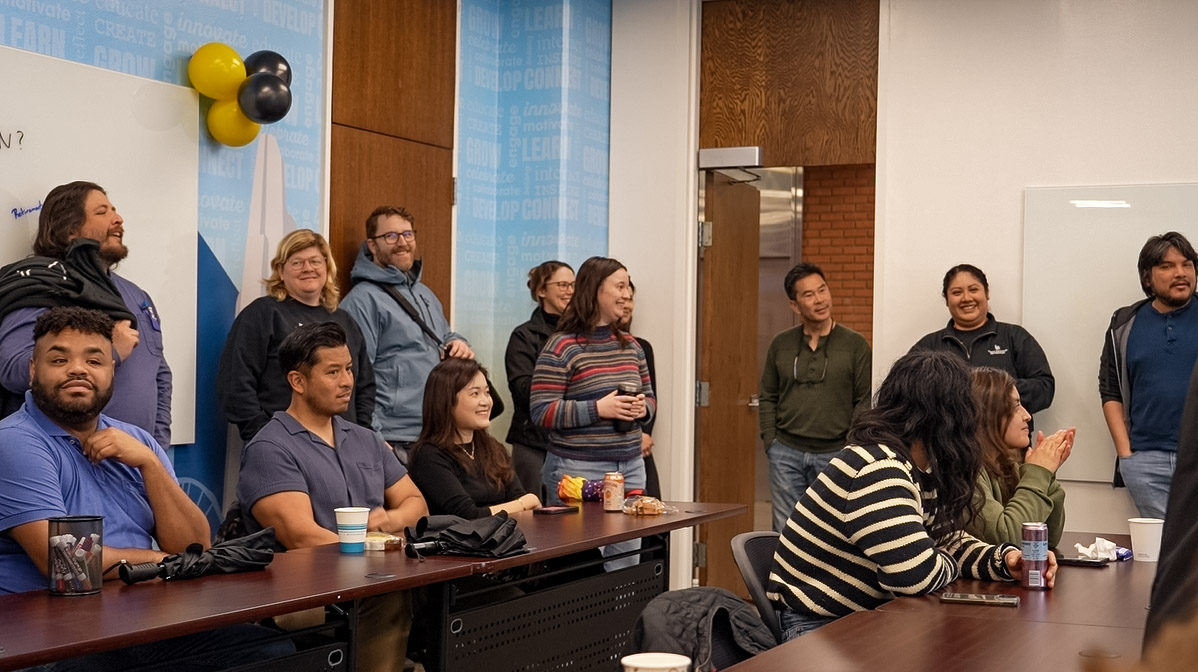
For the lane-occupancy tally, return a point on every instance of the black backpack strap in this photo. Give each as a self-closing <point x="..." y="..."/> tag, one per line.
<point x="409" y="309"/>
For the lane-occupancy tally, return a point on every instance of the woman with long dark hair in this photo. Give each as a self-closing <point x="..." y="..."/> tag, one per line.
<point x="551" y="285"/>
<point x="458" y="466"/>
<point x="1012" y="488"/>
<point x="591" y="387"/>
<point x="884" y="519"/>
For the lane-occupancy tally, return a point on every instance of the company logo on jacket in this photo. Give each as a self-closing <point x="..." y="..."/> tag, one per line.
<point x="995" y="350"/>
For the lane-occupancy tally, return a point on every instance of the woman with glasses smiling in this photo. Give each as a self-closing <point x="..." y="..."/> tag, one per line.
<point x="551" y="285"/>
<point x="301" y="289"/>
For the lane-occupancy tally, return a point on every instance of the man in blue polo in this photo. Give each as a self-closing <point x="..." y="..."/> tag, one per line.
<point x="60" y="456"/>
<point x="1149" y="352"/>
<point x="308" y="461"/>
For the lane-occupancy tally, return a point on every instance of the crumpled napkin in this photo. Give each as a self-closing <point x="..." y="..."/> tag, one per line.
<point x="1100" y="549"/>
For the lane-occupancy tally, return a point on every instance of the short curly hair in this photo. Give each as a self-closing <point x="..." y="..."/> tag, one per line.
<point x="84" y="320"/>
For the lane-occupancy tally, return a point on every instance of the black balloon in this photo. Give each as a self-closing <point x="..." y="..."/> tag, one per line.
<point x="264" y="98"/>
<point x="270" y="62"/>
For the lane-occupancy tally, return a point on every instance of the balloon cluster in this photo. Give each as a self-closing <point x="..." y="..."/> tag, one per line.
<point x="248" y="93"/>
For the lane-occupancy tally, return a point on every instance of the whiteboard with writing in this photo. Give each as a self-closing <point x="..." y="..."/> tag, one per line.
<point x="1081" y="245"/>
<point x="137" y="138"/>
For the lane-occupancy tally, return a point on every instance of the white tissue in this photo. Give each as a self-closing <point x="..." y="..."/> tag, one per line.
<point x="1101" y="549"/>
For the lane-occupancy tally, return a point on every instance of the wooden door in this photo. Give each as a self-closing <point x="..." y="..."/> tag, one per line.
<point x="727" y="362"/>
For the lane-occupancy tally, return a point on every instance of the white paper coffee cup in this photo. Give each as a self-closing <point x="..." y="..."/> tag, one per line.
<point x="351" y="528"/>
<point x="1146" y="538"/>
<point x="654" y="661"/>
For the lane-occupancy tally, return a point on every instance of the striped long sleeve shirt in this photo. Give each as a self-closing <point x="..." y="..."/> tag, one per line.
<point x="859" y="537"/>
<point x="572" y="373"/>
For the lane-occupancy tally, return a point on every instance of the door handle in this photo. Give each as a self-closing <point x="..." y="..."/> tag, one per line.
<point x="754" y="401"/>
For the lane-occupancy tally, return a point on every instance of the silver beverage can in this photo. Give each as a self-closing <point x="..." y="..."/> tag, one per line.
<point x="1035" y="555"/>
<point x="613" y="492"/>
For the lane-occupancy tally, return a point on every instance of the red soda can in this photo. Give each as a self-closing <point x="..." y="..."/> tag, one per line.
<point x="1035" y="555"/>
<point x="613" y="492"/>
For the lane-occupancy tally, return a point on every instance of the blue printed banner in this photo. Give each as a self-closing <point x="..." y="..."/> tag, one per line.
<point x="533" y="153"/>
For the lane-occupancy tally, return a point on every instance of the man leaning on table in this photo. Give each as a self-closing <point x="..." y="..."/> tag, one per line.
<point x="60" y="456"/>
<point x="308" y="461"/>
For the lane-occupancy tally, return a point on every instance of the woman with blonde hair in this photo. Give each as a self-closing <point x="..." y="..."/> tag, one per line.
<point x="1012" y="488"/>
<point x="302" y="289"/>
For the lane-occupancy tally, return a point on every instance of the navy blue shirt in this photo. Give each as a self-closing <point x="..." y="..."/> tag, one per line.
<point x="1161" y="351"/>
<point x="285" y="457"/>
<point x="43" y="474"/>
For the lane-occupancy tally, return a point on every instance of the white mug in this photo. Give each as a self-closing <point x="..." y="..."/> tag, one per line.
<point x="656" y="662"/>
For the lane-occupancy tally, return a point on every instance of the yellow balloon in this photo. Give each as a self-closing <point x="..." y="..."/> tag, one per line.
<point x="216" y="71"/>
<point x="229" y="125"/>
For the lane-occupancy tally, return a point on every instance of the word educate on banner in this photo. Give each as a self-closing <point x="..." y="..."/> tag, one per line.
<point x="11" y="139"/>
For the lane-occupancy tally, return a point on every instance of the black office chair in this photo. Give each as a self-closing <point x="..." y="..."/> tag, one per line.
<point x="754" y="554"/>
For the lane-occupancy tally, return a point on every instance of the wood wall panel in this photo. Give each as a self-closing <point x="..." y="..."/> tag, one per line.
<point x="798" y="78"/>
<point x="394" y="67"/>
<point x="369" y="170"/>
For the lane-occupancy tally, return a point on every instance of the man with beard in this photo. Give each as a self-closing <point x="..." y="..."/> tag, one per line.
<point x="1150" y="350"/>
<point x="404" y="343"/>
<point x="308" y="461"/>
<point x="60" y="456"/>
<point x="79" y="241"/>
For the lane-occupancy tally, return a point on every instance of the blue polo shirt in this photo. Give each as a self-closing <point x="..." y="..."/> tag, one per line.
<point x="285" y="457"/>
<point x="1161" y="351"/>
<point x="43" y="473"/>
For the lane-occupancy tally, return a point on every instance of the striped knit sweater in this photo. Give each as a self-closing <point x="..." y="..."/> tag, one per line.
<point x="572" y="374"/>
<point x="859" y="537"/>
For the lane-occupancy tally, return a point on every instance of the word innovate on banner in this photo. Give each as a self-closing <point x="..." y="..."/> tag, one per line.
<point x="12" y="139"/>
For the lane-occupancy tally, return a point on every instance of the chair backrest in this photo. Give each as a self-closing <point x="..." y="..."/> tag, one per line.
<point x="754" y="555"/>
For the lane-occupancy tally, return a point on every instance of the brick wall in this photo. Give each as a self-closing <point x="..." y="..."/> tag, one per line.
<point x="838" y="234"/>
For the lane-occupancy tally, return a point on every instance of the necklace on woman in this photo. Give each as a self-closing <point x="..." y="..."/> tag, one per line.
<point x="470" y="453"/>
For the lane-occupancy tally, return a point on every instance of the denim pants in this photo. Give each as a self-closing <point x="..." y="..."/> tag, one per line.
<point x="791" y="473"/>
<point x="634" y="478"/>
<point x="795" y="624"/>
<point x="1147" y="475"/>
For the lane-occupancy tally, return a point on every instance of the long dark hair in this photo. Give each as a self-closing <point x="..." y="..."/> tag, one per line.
<point x="582" y="314"/>
<point x="992" y="396"/>
<point x="926" y="398"/>
<point x="61" y="217"/>
<point x="441" y="390"/>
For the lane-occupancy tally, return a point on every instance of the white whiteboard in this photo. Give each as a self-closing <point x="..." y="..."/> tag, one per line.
<point x="137" y="138"/>
<point x="1079" y="266"/>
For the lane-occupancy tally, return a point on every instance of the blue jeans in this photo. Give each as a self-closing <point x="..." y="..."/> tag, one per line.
<point x="1147" y="474"/>
<point x="634" y="478"/>
<point x="795" y="624"/>
<point x="791" y="473"/>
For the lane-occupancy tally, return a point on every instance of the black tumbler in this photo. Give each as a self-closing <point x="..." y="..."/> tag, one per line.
<point x="626" y="390"/>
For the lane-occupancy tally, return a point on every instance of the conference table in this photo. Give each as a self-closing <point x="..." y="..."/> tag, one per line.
<point x="37" y="627"/>
<point x="1090" y="612"/>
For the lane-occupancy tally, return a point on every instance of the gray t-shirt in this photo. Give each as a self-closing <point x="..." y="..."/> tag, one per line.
<point x="285" y="457"/>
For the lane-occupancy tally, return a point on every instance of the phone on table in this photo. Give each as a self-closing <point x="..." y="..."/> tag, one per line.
<point x="555" y="510"/>
<point x="1084" y="562"/>
<point x="981" y="598"/>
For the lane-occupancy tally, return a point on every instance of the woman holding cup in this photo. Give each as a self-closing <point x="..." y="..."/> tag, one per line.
<point x="576" y="385"/>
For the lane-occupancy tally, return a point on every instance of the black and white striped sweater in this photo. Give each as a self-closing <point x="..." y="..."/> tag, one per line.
<point x="859" y="537"/>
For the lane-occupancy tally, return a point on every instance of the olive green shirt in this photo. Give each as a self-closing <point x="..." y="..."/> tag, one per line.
<point x="808" y="397"/>
<point x="1039" y="498"/>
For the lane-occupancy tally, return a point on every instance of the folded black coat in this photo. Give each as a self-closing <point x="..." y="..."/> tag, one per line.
<point x="496" y="536"/>
<point x="243" y="554"/>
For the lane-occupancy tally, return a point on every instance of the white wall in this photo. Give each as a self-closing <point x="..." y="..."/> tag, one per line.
<point x="653" y="206"/>
<point x="977" y="101"/>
